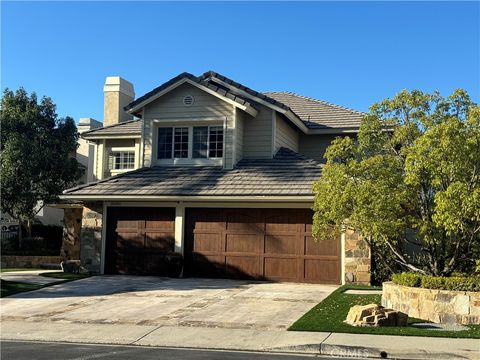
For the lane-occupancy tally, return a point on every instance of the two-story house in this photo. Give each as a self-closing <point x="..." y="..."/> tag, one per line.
<point x="223" y="174"/>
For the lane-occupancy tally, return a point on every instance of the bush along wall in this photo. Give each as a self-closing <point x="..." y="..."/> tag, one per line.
<point x="454" y="283"/>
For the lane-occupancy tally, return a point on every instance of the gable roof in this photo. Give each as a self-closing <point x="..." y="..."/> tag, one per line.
<point x="198" y="81"/>
<point x="307" y="113"/>
<point x="287" y="174"/>
<point x="318" y="114"/>
<point x="132" y="128"/>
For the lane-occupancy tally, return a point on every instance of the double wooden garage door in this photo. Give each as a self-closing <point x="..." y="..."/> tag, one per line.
<point x="272" y="244"/>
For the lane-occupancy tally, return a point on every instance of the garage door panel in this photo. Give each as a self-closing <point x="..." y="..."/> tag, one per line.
<point x="322" y="247"/>
<point x="205" y="265"/>
<point x="243" y="221"/>
<point x="281" y="244"/>
<point x="207" y="242"/>
<point x="284" y="221"/>
<point x="163" y="242"/>
<point x="242" y="243"/>
<point x="127" y="225"/>
<point x="130" y="242"/>
<point x="154" y="264"/>
<point x="242" y="266"/>
<point x="130" y="263"/>
<point x="326" y="271"/>
<point x="207" y="219"/>
<point x="163" y="225"/>
<point x="280" y="268"/>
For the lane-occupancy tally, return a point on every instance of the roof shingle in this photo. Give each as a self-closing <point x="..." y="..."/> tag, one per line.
<point x="132" y="127"/>
<point x="287" y="174"/>
<point x="318" y="114"/>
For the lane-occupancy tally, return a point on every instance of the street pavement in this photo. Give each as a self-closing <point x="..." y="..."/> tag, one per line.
<point x="49" y="351"/>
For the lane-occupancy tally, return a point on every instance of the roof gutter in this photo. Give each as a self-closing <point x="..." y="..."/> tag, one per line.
<point x="147" y="198"/>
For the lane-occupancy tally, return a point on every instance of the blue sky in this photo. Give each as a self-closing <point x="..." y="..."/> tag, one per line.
<point x="351" y="54"/>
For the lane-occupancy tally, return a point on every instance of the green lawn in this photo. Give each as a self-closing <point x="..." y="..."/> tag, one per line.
<point x="64" y="276"/>
<point x="14" y="269"/>
<point x="328" y="316"/>
<point x="11" y="287"/>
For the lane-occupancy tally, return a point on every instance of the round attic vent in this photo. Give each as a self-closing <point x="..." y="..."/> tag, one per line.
<point x="188" y="100"/>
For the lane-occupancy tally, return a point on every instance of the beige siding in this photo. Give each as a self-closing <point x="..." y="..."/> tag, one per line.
<point x="285" y="134"/>
<point x="314" y="146"/>
<point x="229" y="140"/>
<point x="257" y="136"/>
<point x="170" y="107"/>
<point x="239" y="133"/>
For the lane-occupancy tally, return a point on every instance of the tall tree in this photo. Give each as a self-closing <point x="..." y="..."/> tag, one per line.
<point x="37" y="149"/>
<point x="411" y="177"/>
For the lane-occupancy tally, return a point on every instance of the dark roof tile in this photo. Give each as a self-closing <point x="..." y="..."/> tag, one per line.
<point x="286" y="174"/>
<point x="132" y="127"/>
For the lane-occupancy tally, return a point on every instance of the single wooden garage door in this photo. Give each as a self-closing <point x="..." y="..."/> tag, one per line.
<point x="272" y="244"/>
<point x="138" y="239"/>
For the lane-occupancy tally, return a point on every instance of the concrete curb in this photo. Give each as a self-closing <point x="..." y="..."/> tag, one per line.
<point x="347" y="351"/>
<point x="330" y="344"/>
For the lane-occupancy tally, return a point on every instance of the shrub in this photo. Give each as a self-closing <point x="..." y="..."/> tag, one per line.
<point x="454" y="283"/>
<point x="407" y="279"/>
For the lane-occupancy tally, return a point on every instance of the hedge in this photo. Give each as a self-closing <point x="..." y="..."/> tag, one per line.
<point x="455" y="283"/>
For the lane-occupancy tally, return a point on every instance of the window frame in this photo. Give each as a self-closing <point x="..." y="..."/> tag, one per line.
<point x="122" y="152"/>
<point x="190" y="160"/>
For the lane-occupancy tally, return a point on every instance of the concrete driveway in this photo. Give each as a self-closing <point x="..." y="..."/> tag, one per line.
<point x="159" y="301"/>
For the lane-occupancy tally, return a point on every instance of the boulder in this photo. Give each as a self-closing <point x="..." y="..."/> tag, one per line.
<point x="375" y="315"/>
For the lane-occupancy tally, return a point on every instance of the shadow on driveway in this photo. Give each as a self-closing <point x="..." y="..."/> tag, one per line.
<point x="116" y="284"/>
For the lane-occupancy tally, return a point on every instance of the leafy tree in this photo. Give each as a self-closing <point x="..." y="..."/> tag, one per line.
<point x="36" y="154"/>
<point x="411" y="177"/>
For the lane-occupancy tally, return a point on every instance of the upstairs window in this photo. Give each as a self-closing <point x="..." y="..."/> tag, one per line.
<point x="121" y="160"/>
<point x="204" y="142"/>
<point x="215" y="148"/>
<point x="165" y="141"/>
<point x="180" y="143"/>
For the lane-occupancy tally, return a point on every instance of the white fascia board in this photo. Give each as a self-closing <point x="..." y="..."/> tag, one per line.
<point x="333" y="131"/>
<point x="148" y="198"/>
<point x="250" y="110"/>
<point x="101" y="137"/>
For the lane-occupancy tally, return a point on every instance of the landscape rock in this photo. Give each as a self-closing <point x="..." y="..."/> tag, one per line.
<point x="375" y="315"/>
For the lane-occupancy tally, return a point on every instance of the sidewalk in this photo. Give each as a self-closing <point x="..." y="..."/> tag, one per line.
<point x="334" y="344"/>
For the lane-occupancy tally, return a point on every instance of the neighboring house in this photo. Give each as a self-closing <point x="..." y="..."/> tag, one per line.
<point x="219" y="172"/>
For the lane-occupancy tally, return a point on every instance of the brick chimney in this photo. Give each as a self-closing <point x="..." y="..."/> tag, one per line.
<point x="118" y="93"/>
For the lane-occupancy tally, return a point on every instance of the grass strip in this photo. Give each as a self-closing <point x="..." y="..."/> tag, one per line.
<point x="12" y="287"/>
<point x="328" y="316"/>
<point x="64" y="275"/>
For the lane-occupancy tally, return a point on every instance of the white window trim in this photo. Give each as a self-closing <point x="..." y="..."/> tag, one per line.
<point x="191" y="161"/>
<point x="122" y="150"/>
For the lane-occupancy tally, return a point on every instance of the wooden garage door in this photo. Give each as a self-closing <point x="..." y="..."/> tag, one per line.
<point x="138" y="239"/>
<point x="272" y="244"/>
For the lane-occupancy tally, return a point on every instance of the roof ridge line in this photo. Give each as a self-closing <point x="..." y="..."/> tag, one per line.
<point x="319" y="101"/>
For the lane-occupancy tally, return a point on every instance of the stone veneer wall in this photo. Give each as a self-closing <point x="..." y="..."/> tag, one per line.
<point x="438" y="306"/>
<point x="91" y="236"/>
<point x="72" y="223"/>
<point x="357" y="259"/>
